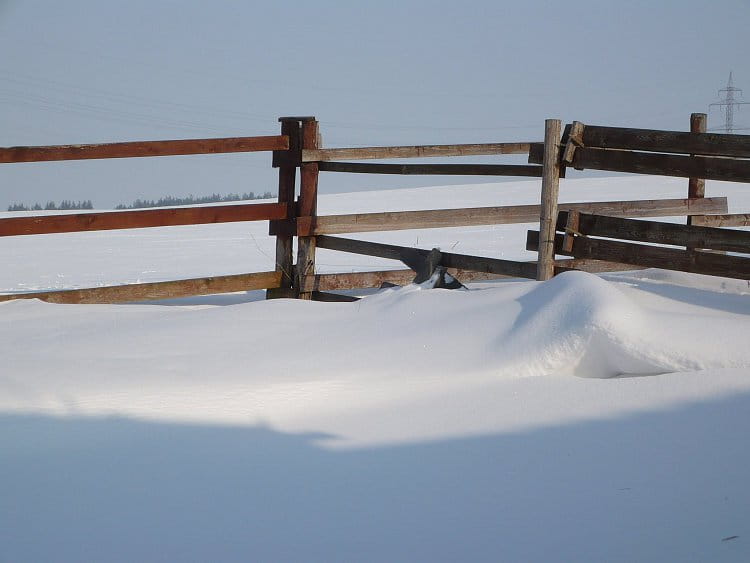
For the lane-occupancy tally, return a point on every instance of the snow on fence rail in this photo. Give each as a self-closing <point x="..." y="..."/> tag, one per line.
<point x="298" y="148"/>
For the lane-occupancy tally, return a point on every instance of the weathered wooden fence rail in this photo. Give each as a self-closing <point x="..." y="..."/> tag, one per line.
<point x="144" y="218"/>
<point x="135" y="149"/>
<point x="140" y="219"/>
<point x="696" y="155"/>
<point x="299" y="148"/>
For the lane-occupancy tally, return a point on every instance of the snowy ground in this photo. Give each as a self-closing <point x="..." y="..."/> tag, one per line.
<point x="582" y="419"/>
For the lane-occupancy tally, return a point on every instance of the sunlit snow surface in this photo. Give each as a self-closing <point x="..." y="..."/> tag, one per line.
<point x="589" y="418"/>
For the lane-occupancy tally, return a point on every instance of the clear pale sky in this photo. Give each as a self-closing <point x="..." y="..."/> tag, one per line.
<point x="374" y="73"/>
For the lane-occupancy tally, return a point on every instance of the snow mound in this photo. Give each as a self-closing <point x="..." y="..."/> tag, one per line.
<point x="578" y="324"/>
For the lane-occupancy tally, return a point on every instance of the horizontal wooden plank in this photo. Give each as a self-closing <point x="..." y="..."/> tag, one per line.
<point x="474" y="216"/>
<point x="727" y="220"/>
<point x="710" y="168"/>
<point x="708" y="144"/>
<point x="434" y="169"/>
<point x="447" y="259"/>
<point x="367" y="280"/>
<point x="380" y="250"/>
<point x="363" y="280"/>
<point x="140" y="218"/>
<point x="645" y="256"/>
<point x="133" y="149"/>
<point x="413" y="151"/>
<point x="655" y="232"/>
<point x="156" y="290"/>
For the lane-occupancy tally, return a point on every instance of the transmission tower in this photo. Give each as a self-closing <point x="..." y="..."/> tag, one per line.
<point x="728" y="104"/>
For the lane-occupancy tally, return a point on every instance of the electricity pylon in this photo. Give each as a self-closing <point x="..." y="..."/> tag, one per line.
<point x="728" y="104"/>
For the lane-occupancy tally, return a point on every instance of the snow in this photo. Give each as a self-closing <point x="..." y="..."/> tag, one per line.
<point x="587" y="418"/>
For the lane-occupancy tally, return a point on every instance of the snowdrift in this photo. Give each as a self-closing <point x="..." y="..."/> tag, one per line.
<point x="586" y="418"/>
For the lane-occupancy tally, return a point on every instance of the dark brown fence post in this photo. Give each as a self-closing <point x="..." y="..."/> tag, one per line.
<point x="307" y="208"/>
<point x="287" y="162"/>
<point x="697" y="186"/>
<point x="550" y="191"/>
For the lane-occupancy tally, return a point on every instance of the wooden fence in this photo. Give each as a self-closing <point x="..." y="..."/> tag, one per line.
<point x="45" y="224"/>
<point x="299" y="148"/>
<point x="696" y="155"/>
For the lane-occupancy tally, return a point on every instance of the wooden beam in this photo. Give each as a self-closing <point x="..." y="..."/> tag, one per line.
<point x="474" y="216"/>
<point x="287" y="161"/>
<point x="143" y="148"/>
<point x="140" y="218"/>
<point x="645" y="256"/>
<point x="366" y="280"/>
<point x="413" y="151"/>
<point x="307" y="207"/>
<point x="434" y="169"/>
<point x="156" y="290"/>
<point x="449" y="260"/>
<point x="573" y="140"/>
<point x="727" y="220"/>
<point x="655" y="232"/>
<point x="711" y="144"/>
<point x="697" y="186"/>
<point x="711" y="168"/>
<point x="550" y="190"/>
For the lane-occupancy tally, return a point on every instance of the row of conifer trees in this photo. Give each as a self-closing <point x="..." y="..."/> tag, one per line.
<point x="67" y="204"/>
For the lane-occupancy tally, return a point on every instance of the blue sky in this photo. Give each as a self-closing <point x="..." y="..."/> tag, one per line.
<point x="374" y="73"/>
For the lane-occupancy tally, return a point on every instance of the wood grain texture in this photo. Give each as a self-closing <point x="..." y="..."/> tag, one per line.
<point x="413" y="151"/>
<point x="572" y="140"/>
<point x="655" y="232"/>
<point x="134" y="149"/>
<point x="644" y="256"/>
<point x="447" y="259"/>
<point x="156" y="290"/>
<point x="476" y="216"/>
<point x="727" y="220"/>
<point x="287" y="162"/>
<point x="307" y="207"/>
<point x="549" y="200"/>
<point x="711" y="168"/>
<point x="697" y="186"/>
<point x="710" y="144"/>
<point x="434" y="169"/>
<point x="368" y="280"/>
<point x="140" y="218"/>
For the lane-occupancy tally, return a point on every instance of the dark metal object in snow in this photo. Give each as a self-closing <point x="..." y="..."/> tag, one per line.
<point x="428" y="268"/>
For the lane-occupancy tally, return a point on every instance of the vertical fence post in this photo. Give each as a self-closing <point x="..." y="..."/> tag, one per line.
<point x="550" y="190"/>
<point x="697" y="186"/>
<point x="307" y="208"/>
<point x="287" y="163"/>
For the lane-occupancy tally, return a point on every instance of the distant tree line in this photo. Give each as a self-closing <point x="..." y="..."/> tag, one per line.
<point x="64" y="205"/>
<point x="192" y="200"/>
<point x="67" y="204"/>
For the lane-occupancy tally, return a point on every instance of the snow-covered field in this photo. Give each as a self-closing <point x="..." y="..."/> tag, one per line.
<point x="588" y="418"/>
